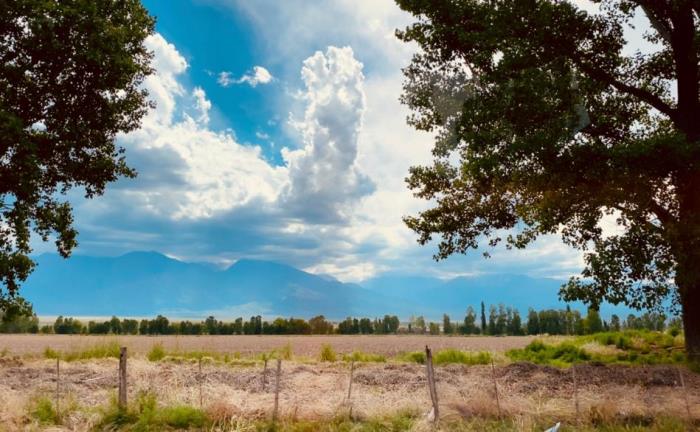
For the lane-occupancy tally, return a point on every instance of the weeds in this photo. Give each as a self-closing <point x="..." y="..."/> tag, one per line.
<point x="629" y="347"/>
<point x="146" y="415"/>
<point x="363" y="357"/>
<point x="109" y="350"/>
<point x="43" y="411"/>
<point x="448" y="356"/>
<point x="157" y="353"/>
<point x="327" y="353"/>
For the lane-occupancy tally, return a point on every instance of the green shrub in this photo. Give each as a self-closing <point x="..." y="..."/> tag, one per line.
<point x="363" y="357"/>
<point x="448" y="356"/>
<point x="157" y="353"/>
<point x="146" y="415"/>
<point x="50" y="353"/>
<point x="413" y="357"/>
<point x="560" y="355"/>
<point x="327" y="353"/>
<point x="44" y="412"/>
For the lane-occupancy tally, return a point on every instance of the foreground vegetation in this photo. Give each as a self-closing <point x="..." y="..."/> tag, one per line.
<point x="145" y="414"/>
<point x="627" y="347"/>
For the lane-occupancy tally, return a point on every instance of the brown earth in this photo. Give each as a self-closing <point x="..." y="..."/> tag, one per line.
<point x="388" y="345"/>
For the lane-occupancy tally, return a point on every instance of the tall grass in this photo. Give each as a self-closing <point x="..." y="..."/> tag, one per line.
<point x="628" y="347"/>
<point x="449" y="356"/>
<point x="100" y="351"/>
<point x="146" y="415"/>
<point x="327" y="353"/>
<point x="363" y="357"/>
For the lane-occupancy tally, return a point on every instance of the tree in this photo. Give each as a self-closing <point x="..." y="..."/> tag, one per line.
<point x="533" y="322"/>
<point x="544" y="126"/>
<point x="446" y="324"/>
<point x="70" y="81"/>
<point x="469" y="322"/>
<point x="615" y="323"/>
<point x="483" y="319"/>
<point x="593" y="323"/>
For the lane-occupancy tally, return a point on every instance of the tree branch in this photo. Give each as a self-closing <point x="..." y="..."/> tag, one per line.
<point x="663" y="28"/>
<point x="641" y="94"/>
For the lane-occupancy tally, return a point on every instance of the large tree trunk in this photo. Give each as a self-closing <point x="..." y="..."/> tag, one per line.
<point x="690" y="300"/>
<point x="687" y="252"/>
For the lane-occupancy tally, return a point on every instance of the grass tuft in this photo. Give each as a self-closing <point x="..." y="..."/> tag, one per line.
<point x="157" y="353"/>
<point x="327" y="353"/>
<point x="99" y="351"/>
<point x="363" y="357"/>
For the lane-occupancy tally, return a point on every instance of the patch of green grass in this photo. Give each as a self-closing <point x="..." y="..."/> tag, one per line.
<point x="146" y="415"/>
<point x="157" y="353"/>
<point x="413" y="357"/>
<point x="563" y="354"/>
<point x="451" y="356"/>
<point x="327" y="353"/>
<point x="94" y="352"/>
<point x="629" y="347"/>
<point x="43" y="411"/>
<point x="363" y="357"/>
<point x="448" y="356"/>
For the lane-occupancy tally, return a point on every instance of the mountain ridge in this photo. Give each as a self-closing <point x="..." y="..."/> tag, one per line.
<point x="147" y="283"/>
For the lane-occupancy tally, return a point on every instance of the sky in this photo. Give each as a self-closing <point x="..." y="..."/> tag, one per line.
<point x="278" y="135"/>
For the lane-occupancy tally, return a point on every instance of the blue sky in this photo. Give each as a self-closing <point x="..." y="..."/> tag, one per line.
<point x="278" y="135"/>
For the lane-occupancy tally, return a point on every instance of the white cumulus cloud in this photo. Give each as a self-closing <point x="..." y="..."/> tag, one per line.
<point x="324" y="179"/>
<point x="258" y="75"/>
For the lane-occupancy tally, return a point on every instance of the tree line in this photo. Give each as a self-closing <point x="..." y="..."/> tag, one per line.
<point x="494" y="320"/>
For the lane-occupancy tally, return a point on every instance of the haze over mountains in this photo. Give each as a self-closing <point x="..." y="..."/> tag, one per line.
<point x="149" y="283"/>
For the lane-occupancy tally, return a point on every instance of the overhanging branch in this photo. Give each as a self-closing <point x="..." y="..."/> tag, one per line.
<point x="643" y="95"/>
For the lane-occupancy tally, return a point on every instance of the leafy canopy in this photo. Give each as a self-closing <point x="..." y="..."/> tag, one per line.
<point x="544" y="126"/>
<point x="70" y="81"/>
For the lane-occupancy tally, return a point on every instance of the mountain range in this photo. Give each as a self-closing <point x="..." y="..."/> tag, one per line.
<point x="149" y="283"/>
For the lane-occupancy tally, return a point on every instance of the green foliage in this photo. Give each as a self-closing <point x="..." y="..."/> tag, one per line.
<point x="544" y="124"/>
<point x="448" y="356"/>
<point x="58" y="128"/>
<point x="452" y="356"/>
<point x="43" y="411"/>
<point x="99" y="351"/>
<point x="145" y="415"/>
<point x="327" y="353"/>
<point x="157" y="353"/>
<point x="562" y="354"/>
<point x="363" y="357"/>
<point x="632" y="347"/>
<point x="413" y="357"/>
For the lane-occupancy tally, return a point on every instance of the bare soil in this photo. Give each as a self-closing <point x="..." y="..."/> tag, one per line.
<point x="388" y="345"/>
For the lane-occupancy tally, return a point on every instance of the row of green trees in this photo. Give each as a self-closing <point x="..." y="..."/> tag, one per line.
<point x="500" y="320"/>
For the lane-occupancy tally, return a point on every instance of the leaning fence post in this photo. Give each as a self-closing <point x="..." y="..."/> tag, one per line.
<point x="431" y="382"/>
<point x="685" y="392"/>
<point x="277" y="389"/>
<point x="573" y="373"/>
<point x="58" y="387"/>
<point x="495" y="387"/>
<point x="122" y="377"/>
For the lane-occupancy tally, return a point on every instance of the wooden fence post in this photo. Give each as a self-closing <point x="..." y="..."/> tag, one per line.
<point x="573" y="373"/>
<point x="495" y="387"/>
<point x="277" y="390"/>
<point x="264" y="377"/>
<point x="685" y="393"/>
<point x="122" y="377"/>
<point x="58" y="388"/>
<point x="200" y="383"/>
<point x="431" y="383"/>
<point x="352" y="369"/>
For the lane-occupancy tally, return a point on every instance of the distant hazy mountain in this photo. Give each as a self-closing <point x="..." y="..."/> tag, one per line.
<point x="148" y="283"/>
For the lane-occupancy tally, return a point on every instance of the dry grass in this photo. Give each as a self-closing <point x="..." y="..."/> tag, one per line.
<point x="309" y="392"/>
